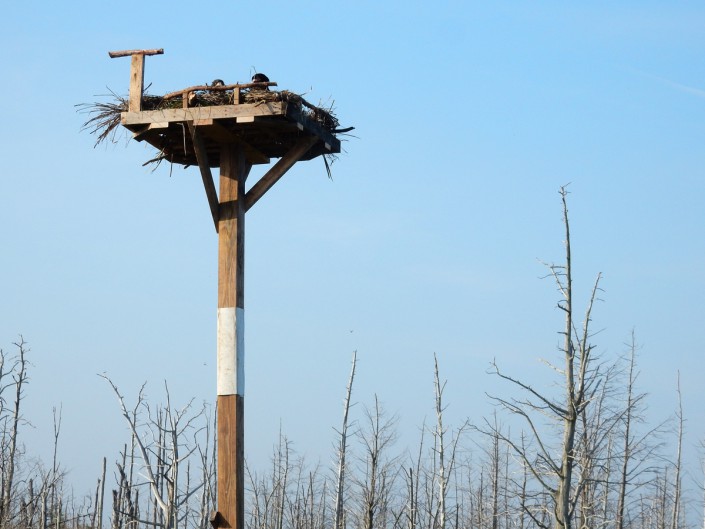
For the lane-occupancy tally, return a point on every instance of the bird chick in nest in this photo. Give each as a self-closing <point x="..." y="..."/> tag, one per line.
<point x="260" y="78"/>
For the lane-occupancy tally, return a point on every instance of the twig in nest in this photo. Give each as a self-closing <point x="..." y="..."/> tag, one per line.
<point x="104" y="118"/>
<point x="327" y="163"/>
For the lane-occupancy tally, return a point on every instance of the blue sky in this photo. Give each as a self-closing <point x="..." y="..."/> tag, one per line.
<point x="469" y="116"/>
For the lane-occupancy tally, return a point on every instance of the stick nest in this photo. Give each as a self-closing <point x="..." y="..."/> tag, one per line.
<point x="104" y="117"/>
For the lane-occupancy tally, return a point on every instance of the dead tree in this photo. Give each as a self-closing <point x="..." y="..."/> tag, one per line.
<point x="270" y="493"/>
<point x="639" y="448"/>
<point x="581" y="377"/>
<point x="339" y="522"/>
<point x="492" y="453"/>
<point x="632" y="401"/>
<point x="207" y="461"/>
<point x="412" y="477"/>
<point x="445" y="451"/>
<point x="18" y="373"/>
<point x="163" y="459"/>
<point x="594" y="457"/>
<point x="378" y="469"/>
<point x="97" y="515"/>
<point x="677" y="479"/>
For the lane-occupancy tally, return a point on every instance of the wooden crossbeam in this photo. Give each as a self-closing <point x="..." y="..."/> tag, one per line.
<point x="126" y="53"/>
<point x="278" y="170"/>
<point x="202" y="157"/>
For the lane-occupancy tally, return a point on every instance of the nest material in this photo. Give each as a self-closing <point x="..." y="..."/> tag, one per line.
<point x="104" y="117"/>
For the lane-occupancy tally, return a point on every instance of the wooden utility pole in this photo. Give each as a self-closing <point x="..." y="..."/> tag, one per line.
<point x="234" y="169"/>
<point x="233" y="137"/>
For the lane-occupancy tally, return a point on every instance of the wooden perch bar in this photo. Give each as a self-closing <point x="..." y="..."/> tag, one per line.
<point x="127" y="53"/>
<point x="136" y="74"/>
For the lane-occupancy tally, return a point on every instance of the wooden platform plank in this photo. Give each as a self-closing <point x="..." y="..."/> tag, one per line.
<point x="276" y="108"/>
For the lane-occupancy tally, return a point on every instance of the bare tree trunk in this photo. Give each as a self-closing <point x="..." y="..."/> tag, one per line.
<point x="495" y="481"/>
<point x="675" y="515"/>
<point x="446" y="454"/>
<point x="102" y="496"/>
<point x="440" y="447"/>
<point x="506" y="490"/>
<point x="376" y="436"/>
<point x="97" y="516"/>
<point x="627" y="447"/>
<point x="281" y="476"/>
<point x="413" y="479"/>
<point x="607" y="483"/>
<point x="55" y="466"/>
<point x="523" y="505"/>
<point x="580" y="380"/>
<point x="577" y="356"/>
<point x="342" y="446"/>
<point x="19" y="378"/>
<point x="703" y="513"/>
<point x="570" y="419"/>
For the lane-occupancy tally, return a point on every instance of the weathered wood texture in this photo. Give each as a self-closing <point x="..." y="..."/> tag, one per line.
<point x="231" y="457"/>
<point x="126" y="53"/>
<point x="136" y="83"/>
<point x="231" y="240"/>
<point x="231" y="245"/>
<point x="274" y="108"/>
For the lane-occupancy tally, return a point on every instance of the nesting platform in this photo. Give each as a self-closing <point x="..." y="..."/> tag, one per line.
<point x="265" y="129"/>
<point x="231" y="127"/>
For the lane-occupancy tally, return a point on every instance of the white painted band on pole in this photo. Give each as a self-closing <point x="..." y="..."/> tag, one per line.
<point x="231" y="351"/>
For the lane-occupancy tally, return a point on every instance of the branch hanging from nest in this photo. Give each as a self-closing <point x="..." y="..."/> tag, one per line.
<point x="104" y="118"/>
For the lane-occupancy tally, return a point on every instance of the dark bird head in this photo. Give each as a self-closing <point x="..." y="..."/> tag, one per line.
<point x="217" y="82"/>
<point x="260" y="78"/>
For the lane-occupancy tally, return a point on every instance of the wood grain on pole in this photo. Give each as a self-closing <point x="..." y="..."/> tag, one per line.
<point x="136" y="83"/>
<point x="233" y="172"/>
<point x="231" y="238"/>
<point x="231" y="456"/>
